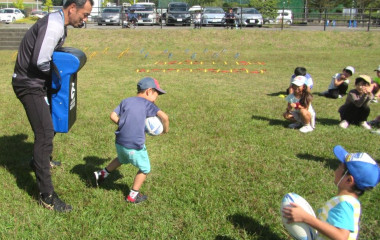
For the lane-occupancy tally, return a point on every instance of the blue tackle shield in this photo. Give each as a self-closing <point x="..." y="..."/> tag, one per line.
<point x="66" y="63"/>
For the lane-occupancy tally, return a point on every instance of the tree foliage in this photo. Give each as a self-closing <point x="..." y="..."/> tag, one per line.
<point x="48" y="5"/>
<point x="19" y="4"/>
<point x="266" y="7"/>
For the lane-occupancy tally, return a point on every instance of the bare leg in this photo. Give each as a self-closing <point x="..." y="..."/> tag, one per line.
<point x="139" y="180"/>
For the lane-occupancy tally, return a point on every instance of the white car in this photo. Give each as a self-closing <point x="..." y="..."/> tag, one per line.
<point x="284" y="15"/>
<point x="10" y="15"/>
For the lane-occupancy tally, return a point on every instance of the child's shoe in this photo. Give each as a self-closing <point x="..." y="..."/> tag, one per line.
<point x="306" y="128"/>
<point x="374" y="100"/>
<point x="377" y="132"/>
<point x="295" y="125"/>
<point x="100" y="176"/>
<point x="344" y="124"/>
<point x="365" y="125"/>
<point x="138" y="199"/>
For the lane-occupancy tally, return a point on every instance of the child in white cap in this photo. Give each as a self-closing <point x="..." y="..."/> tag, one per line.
<point x="299" y="109"/>
<point x="339" y="83"/>
<point x="340" y="216"/>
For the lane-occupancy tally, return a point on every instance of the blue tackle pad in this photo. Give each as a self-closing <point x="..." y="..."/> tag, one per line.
<point x="65" y="65"/>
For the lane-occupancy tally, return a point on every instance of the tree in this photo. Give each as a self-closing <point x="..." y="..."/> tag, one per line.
<point x="19" y="4"/>
<point x="266" y="7"/>
<point x="48" y="5"/>
<point x="321" y="5"/>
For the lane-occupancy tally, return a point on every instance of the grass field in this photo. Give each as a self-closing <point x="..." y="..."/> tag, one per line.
<point x="229" y="158"/>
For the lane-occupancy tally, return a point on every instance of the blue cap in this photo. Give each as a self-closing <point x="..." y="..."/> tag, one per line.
<point x="361" y="166"/>
<point x="148" y="82"/>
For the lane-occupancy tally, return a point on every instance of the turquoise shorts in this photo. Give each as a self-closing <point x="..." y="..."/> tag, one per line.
<point x="138" y="158"/>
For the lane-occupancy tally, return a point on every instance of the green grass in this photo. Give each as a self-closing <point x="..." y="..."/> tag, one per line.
<point x="229" y="158"/>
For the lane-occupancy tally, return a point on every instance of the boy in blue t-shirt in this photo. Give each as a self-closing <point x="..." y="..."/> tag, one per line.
<point x="340" y="216"/>
<point x="130" y="117"/>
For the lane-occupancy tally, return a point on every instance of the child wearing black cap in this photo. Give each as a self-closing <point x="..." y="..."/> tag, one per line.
<point x="340" y="216"/>
<point x="356" y="108"/>
<point x="130" y="117"/>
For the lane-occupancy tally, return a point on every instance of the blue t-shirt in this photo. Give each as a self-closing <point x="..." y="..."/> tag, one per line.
<point x="132" y="113"/>
<point x="341" y="216"/>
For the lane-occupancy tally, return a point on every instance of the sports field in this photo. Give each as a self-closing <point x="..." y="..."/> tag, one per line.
<point x="229" y="158"/>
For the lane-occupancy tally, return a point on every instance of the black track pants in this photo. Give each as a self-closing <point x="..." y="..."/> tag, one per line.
<point x="38" y="112"/>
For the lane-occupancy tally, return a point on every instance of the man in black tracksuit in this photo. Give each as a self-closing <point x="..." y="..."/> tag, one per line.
<point x="31" y="82"/>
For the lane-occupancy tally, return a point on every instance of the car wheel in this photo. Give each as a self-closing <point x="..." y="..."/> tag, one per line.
<point x="288" y="22"/>
<point x="99" y="24"/>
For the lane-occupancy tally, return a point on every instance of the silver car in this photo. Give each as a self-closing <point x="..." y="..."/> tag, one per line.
<point x="248" y="17"/>
<point x="110" y="16"/>
<point x="213" y="16"/>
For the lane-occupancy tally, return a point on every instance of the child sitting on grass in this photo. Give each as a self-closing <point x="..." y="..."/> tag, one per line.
<point x="300" y="71"/>
<point x="376" y="85"/>
<point x="299" y="109"/>
<point x="130" y="117"/>
<point x="339" y="84"/>
<point x="356" y="108"/>
<point x="339" y="217"/>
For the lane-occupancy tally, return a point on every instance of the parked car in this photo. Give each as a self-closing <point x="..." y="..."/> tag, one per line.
<point x="284" y="15"/>
<point x="213" y="16"/>
<point x="110" y="16"/>
<point x="178" y="13"/>
<point x="146" y="12"/>
<point x="10" y="15"/>
<point x="38" y="13"/>
<point x="248" y="16"/>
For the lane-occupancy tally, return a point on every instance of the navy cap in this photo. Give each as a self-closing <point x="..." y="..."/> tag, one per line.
<point x="149" y="82"/>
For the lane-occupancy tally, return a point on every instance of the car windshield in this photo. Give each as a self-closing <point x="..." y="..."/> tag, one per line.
<point x="8" y="11"/>
<point x="250" y="11"/>
<point x="213" y="10"/>
<point x="111" y="10"/>
<point x="143" y="8"/>
<point x="178" y="7"/>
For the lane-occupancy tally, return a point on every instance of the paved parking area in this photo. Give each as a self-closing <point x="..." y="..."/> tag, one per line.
<point x="264" y="28"/>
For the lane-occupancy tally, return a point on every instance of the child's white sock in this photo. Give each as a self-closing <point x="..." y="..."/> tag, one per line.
<point x="133" y="194"/>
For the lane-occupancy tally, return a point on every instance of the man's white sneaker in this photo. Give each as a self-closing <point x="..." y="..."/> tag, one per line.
<point x="306" y="129"/>
<point x="365" y="125"/>
<point x="295" y="125"/>
<point x="344" y="124"/>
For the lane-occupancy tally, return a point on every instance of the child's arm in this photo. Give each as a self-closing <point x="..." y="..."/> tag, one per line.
<point x="164" y="119"/>
<point x="340" y="80"/>
<point x="295" y="213"/>
<point x="114" y="117"/>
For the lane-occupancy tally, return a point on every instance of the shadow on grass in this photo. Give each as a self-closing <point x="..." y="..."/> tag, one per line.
<point x="331" y="163"/>
<point x="15" y="156"/>
<point x="276" y="94"/>
<point x="86" y="173"/>
<point x="251" y="226"/>
<point x="271" y="121"/>
<point x="327" y="121"/>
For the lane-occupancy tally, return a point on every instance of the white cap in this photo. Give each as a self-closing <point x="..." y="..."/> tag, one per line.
<point x="299" y="80"/>
<point x="377" y="69"/>
<point x="351" y="69"/>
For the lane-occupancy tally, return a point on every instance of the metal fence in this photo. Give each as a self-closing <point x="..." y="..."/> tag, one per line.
<point x="326" y="18"/>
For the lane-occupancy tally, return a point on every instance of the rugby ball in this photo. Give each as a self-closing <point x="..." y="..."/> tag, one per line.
<point x="299" y="231"/>
<point x="153" y="126"/>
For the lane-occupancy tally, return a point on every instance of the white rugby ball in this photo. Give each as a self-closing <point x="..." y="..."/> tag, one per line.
<point x="299" y="231"/>
<point x="153" y="126"/>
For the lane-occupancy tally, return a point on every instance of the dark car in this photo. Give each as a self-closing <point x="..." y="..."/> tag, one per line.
<point x="178" y="14"/>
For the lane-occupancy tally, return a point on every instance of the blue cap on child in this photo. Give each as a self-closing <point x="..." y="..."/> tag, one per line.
<point x="361" y="166"/>
<point x="148" y="82"/>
